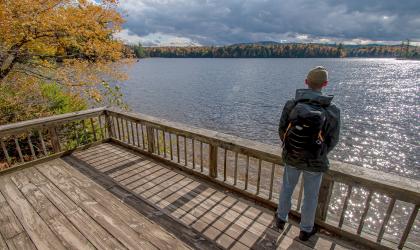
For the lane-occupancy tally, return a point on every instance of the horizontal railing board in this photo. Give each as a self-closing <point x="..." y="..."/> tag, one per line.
<point x="14" y="128"/>
<point x="405" y="189"/>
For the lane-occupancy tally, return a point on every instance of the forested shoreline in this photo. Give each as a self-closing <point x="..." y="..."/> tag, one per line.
<point x="293" y="50"/>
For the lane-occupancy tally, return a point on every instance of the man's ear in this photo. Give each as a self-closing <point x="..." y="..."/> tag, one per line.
<point x="325" y="84"/>
<point x="306" y="81"/>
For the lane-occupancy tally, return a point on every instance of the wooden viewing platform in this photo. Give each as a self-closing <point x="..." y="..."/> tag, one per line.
<point x="106" y="179"/>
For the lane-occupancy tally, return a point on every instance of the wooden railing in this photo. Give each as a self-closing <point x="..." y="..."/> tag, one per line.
<point x="35" y="140"/>
<point x="350" y="196"/>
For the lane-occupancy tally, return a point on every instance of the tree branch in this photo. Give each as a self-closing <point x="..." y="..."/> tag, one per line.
<point x="36" y="74"/>
<point x="11" y="59"/>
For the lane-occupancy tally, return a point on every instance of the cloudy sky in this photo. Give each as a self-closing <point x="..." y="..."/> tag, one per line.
<point x="220" y="22"/>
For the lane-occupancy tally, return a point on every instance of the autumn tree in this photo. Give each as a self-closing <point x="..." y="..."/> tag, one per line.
<point x="65" y="42"/>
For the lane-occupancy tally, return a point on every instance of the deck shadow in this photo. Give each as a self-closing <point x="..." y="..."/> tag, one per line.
<point x="169" y="191"/>
<point x="188" y="235"/>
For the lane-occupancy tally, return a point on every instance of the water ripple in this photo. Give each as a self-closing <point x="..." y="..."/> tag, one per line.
<point x="379" y="100"/>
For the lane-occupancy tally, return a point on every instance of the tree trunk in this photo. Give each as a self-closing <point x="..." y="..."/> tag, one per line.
<point x="11" y="58"/>
<point x="7" y="66"/>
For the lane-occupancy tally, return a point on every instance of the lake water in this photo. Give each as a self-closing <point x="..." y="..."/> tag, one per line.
<point x="379" y="101"/>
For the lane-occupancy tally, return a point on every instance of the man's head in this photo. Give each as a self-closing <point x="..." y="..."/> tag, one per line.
<point x="317" y="78"/>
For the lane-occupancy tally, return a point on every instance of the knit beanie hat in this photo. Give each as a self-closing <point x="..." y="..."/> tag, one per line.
<point x="318" y="75"/>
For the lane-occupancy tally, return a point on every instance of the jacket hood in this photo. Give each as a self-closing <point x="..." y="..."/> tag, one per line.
<point x="313" y="96"/>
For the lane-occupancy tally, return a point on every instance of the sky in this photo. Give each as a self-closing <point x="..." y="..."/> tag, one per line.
<point x="224" y="22"/>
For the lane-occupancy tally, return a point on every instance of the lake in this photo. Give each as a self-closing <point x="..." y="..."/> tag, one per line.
<point x="379" y="101"/>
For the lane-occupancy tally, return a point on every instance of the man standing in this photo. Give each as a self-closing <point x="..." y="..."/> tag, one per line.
<point x="309" y="129"/>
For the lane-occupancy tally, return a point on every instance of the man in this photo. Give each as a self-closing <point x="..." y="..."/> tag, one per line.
<point x="309" y="129"/>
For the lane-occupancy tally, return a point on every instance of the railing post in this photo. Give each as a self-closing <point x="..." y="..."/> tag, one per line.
<point x="150" y="139"/>
<point x="55" y="142"/>
<point x="325" y="192"/>
<point x="213" y="161"/>
<point x="109" y="124"/>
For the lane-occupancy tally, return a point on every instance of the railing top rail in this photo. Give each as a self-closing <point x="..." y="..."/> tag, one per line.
<point x="9" y="129"/>
<point x="405" y="189"/>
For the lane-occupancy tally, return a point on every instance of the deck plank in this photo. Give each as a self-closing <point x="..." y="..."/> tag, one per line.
<point x="59" y="224"/>
<point x="39" y="232"/>
<point x="114" y="158"/>
<point x="116" y="163"/>
<point x="100" y="155"/>
<point x="9" y="223"/>
<point x="20" y="242"/>
<point x="137" y="222"/>
<point x="101" y="214"/>
<point x="3" y="245"/>
<point x="132" y="170"/>
<point x="105" y="156"/>
<point x="95" y="233"/>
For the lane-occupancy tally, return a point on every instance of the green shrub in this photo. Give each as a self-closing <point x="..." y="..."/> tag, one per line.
<point x="58" y="101"/>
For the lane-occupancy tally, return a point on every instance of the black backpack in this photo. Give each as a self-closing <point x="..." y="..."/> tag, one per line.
<point x="303" y="138"/>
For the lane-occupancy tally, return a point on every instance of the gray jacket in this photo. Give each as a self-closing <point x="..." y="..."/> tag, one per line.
<point x="331" y="133"/>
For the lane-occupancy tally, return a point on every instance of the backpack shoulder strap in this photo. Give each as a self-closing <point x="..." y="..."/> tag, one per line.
<point x="309" y="101"/>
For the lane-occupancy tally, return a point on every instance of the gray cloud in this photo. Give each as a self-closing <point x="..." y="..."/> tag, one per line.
<point x="233" y="21"/>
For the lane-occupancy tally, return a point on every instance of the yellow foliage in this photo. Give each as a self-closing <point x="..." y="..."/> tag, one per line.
<point x="48" y="26"/>
<point x="40" y="32"/>
<point x="69" y="42"/>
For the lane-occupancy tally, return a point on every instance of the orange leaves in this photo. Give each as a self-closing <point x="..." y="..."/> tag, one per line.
<point x="95" y="95"/>
<point x="69" y="42"/>
<point x="57" y="30"/>
<point x="82" y="29"/>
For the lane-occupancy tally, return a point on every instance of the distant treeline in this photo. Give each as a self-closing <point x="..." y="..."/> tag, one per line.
<point x="271" y="51"/>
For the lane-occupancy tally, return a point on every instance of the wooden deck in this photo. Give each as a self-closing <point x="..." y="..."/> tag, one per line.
<point x="108" y="197"/>
<point x="53" y="206"/>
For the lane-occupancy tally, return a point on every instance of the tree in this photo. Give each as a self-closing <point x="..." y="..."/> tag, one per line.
<point x="340" y="50"/>
<point x="54" y="39"/>
<point x="65" y="42"/>
<point x="140" y="51"/>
